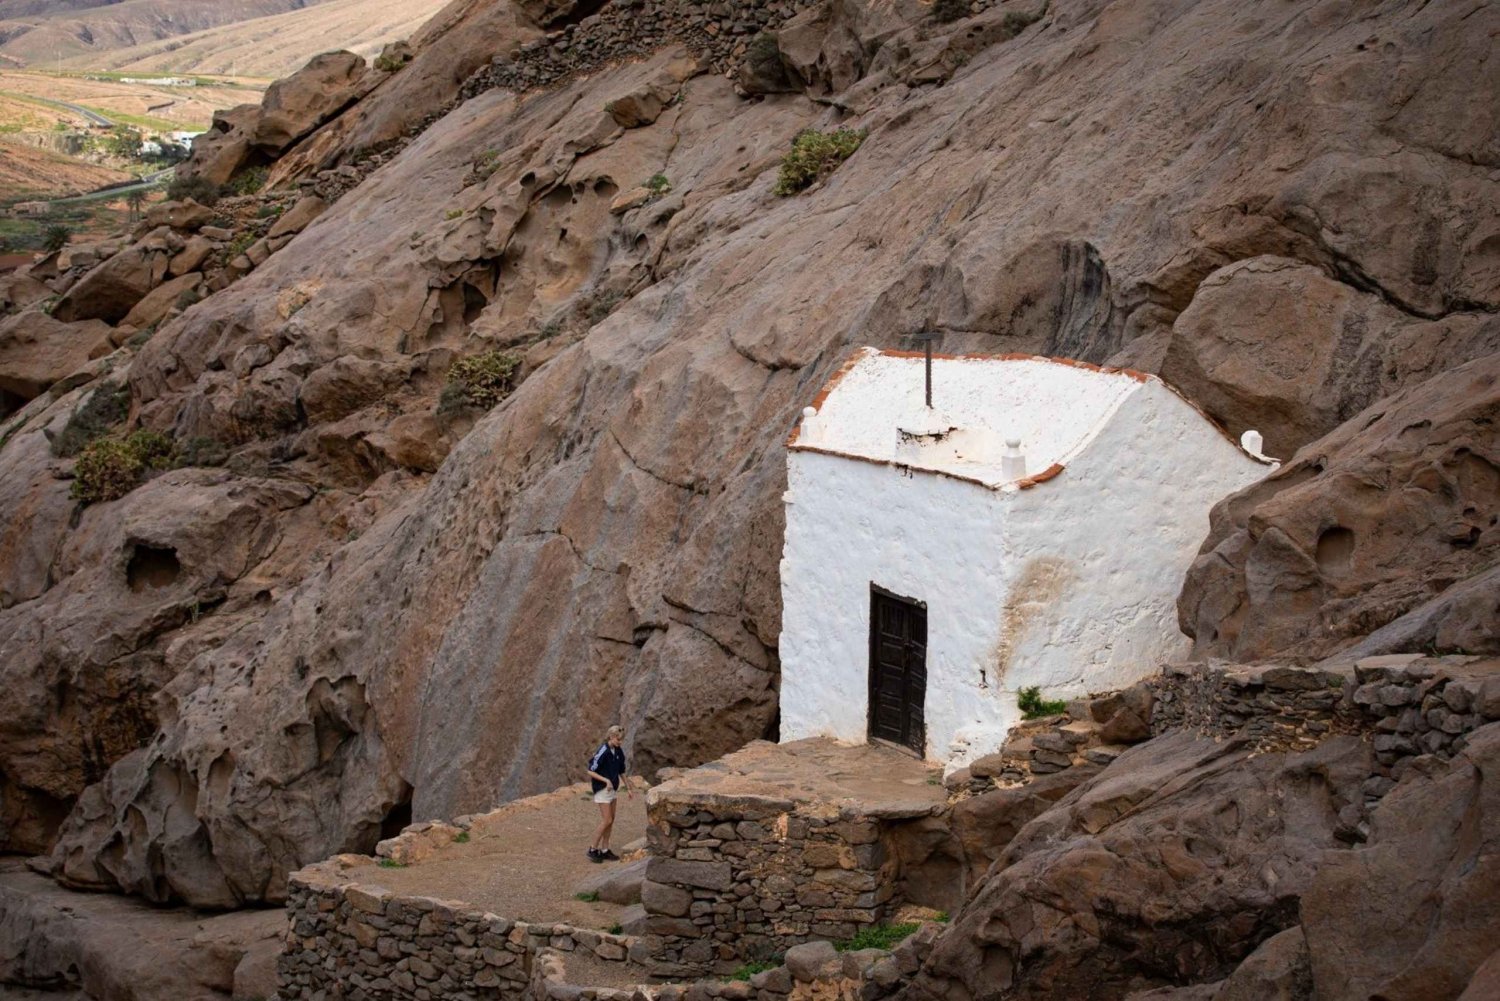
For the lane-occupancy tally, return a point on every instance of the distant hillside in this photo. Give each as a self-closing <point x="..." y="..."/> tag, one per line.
<point x="38" y="32"/>
<point x="28" y="172"/>
<point x="274" y="46"/>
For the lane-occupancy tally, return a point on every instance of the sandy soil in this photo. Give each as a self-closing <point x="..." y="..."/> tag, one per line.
<point x="275" y="46"/>
<point x="28" y="172"/>
<point x="528" y="866"/>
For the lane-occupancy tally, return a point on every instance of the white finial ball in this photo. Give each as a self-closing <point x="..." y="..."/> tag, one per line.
<point x="809" y="412"/>
<point x="1252" y="441"/>
<point x="1013" y="443"/>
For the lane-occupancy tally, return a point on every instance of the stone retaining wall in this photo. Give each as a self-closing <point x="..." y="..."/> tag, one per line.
<point x="748" y="877"/>
<point x="367" y="944"/>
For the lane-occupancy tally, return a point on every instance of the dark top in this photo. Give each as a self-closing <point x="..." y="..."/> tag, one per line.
<point x="609" y="762"/>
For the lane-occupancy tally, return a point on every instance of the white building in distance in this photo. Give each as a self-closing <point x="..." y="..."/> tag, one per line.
<point x="1031" y="529"/>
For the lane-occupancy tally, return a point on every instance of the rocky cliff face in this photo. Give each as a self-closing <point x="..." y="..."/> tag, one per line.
<point x="381" y="607"/>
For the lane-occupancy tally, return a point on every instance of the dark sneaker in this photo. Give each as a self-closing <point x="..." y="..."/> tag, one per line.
<point x="595" y="855"/>
<point x="609" y="856"/>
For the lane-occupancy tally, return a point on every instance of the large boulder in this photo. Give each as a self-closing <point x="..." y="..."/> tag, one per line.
<point x="219" y="152"/>
<point x="1277" y="345"/>
<point x="111" y="290"/>
<point x="296" y="105"/>
<point x="36" y="350"/>
<point x="1361" y="527"/>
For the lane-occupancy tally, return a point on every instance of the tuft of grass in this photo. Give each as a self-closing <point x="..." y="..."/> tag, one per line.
<point x="461" y="838"/>
<point x="748" y="970"/>
<point x="452" y="214"/>
<point x="109" y="468"/>
<point x="603" y="305"/>
<point x="813" y="156"/>
<point x="658" y="185"/>
<point x="1033" y="706"/>
<point x="941" y="917"/>
<point x="877" y="937"/>
<point x="56" y="237"/>
<point x="588" y="898"/>
<point x="615" y="928"/>
<point x="390" y="863"/>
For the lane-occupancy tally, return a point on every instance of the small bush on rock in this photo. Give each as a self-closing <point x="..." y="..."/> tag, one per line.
<point x="199" y="189"/>
<point x="815" y="155"/>
<point x="56" y="238"/>
<point x="658" y="185"/>
<point x="110" y="468"/>
<point x="748" y="970"/>
<point x="1033" y="706"/>
<point x="480" y="381"/>
<point x="248" y="182"/>
<point x="106" y="406"/>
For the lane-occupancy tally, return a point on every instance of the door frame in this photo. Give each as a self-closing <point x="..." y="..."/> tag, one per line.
<point x="871" y="672"/>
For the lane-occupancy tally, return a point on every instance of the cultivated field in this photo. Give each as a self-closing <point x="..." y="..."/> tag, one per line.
<point x="144" y="105"/>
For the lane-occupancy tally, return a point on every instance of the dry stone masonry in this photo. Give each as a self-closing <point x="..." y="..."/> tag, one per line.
<point x="356" y="942"/>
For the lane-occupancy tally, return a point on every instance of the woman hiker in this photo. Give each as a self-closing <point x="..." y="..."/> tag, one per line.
<point x="607" y="772"/>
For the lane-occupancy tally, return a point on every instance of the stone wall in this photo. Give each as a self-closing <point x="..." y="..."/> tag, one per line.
<point x="356" y="942"/>
<point x="747" y="878"/>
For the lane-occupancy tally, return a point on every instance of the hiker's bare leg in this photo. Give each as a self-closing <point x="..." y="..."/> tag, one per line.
<point x="606" y="821"/>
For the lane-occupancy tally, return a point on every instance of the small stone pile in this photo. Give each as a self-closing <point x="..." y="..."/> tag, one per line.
<point x="717" y="30"/>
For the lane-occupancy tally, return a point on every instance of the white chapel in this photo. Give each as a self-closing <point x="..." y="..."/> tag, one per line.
<point x="1029" y="527"/>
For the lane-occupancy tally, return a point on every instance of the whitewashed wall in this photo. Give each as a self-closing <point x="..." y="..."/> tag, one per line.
<point x="932" y="538"/>
<point x="1070" y="585"/>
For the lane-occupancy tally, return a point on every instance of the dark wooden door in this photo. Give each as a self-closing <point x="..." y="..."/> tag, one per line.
<point x="898" y="670"/>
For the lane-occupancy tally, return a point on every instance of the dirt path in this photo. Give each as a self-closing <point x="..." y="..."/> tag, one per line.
<point x="527" y="865"/>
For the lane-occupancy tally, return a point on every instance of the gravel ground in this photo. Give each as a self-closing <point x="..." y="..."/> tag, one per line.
<point x="527" y="868"/>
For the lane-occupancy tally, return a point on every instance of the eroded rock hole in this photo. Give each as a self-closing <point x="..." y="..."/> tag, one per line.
<point x="605" y="188"/>
<point x="398" y="817"/>
<point x="153" y="567"/>
<point x="474" y="303"/>
<point x="1335" y="549"/>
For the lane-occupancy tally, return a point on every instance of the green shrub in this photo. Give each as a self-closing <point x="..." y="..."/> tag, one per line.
<point x="248" y="182"/>
<point x="815" y="155"/>
<point x="390" y="863"/>
<point x="461" y="838"/>
<point x="105" y="407"/>
<point x="389" y="64"/>
<point x="946" y="11"/>
<point x="452" y="214"/>
<point x="241" y="243"/>
<point x="877" y="937"/>
<point x="109" y="468"/>
<point x="1033" y="706"/>
<point x="481" y="380"/>
<point x="588" y="897"/>
<point x="658" y="185"/>
<point x="199" y="189"/>
<point x="56" y="237"/>
<point x="615" y="928"/>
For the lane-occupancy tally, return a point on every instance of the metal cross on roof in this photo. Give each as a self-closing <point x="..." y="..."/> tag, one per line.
<point x="925" y="338"/>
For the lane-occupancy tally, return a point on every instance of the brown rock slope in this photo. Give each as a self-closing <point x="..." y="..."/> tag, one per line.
<point x="431" y="616"/>
<point x="1219" y="872"/>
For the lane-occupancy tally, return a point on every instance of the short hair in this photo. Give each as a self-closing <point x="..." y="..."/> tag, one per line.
<point x="615" y="731"/>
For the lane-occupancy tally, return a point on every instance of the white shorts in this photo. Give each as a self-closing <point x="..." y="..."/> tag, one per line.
<point x="606" y="795"/>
